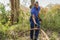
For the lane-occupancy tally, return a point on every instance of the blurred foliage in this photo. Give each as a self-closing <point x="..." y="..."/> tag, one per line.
<point x="51" y="20"/>
<point x="54" y="36"/>
<point x="3" y="14"/>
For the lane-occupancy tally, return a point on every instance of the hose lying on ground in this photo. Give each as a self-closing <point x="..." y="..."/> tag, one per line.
<point x="46" y="36"/>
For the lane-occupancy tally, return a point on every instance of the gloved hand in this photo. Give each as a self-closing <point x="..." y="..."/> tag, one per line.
<point x="40" y="19"/>
<point x="36" y="25"/>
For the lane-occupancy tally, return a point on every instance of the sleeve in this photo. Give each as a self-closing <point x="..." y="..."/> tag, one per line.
<point x="32" y="11"/>
<point x="39" y="8"/>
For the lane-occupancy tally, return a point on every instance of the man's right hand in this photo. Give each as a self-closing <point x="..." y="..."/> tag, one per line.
<point x="40" y="19"/>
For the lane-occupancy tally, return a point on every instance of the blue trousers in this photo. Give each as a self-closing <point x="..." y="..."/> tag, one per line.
<point x="32" y="26"/>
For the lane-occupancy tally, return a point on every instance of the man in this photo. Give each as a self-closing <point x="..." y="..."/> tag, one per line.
<point x="35" y="20"/>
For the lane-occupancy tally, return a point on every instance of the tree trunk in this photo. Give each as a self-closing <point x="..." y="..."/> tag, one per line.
<point x="14" y="11"/>
<point x="17" y="10"/>
<point x="32" y="3"/>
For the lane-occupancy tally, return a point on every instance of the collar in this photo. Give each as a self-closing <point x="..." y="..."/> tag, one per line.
<point x="35" y="8"/>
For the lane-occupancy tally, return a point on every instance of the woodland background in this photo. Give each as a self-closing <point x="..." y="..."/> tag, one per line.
<point x="17" y="20"/>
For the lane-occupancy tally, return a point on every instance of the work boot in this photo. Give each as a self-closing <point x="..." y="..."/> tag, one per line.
<point x="31" y="39"/>
<point x="35" y="39"/>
